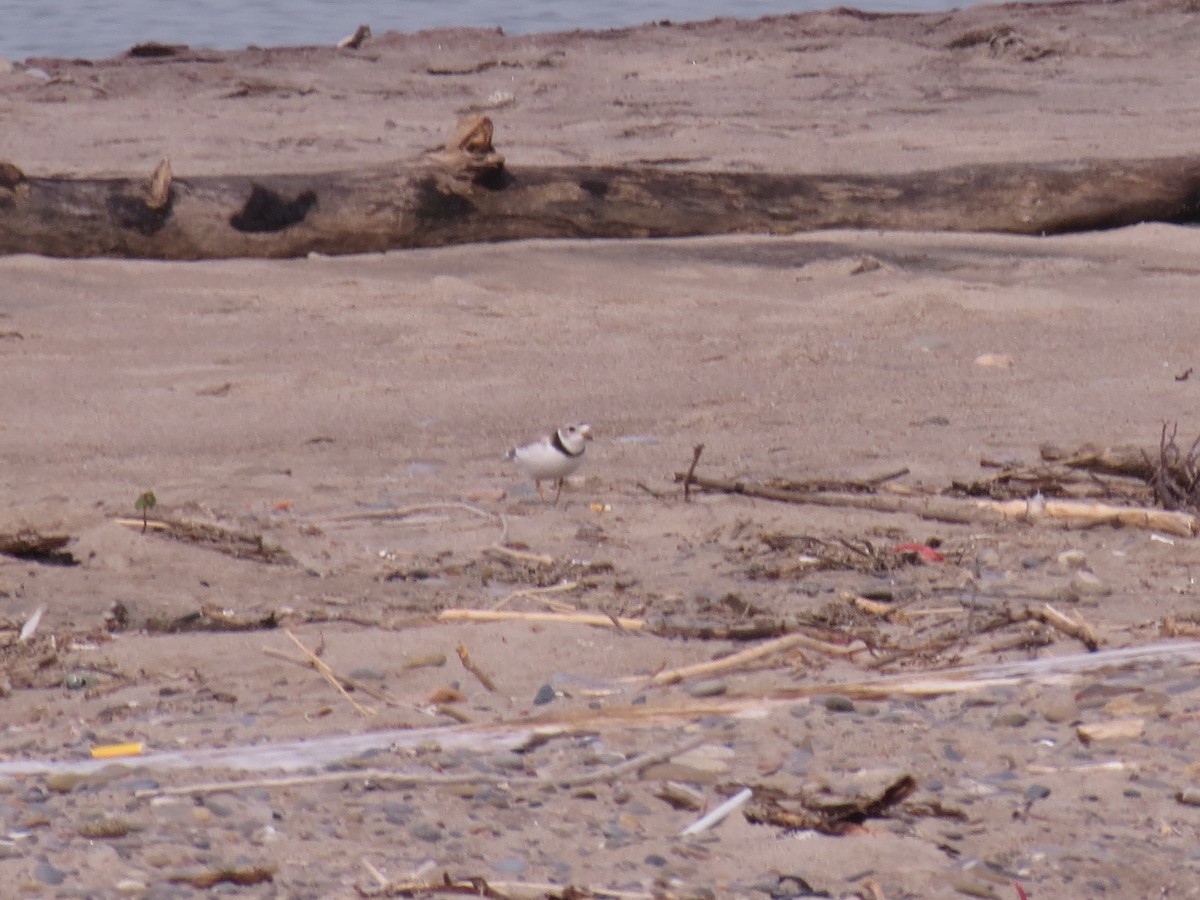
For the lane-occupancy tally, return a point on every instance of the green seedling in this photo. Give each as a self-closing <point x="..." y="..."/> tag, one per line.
<point x="144" y="504"/>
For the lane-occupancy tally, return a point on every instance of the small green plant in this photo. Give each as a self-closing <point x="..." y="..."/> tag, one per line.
<point x="144" y="504"/>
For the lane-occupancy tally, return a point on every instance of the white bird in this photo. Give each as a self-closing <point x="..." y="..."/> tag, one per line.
<point x="553" y="457"/>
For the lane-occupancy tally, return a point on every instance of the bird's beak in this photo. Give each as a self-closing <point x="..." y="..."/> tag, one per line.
<point x="586" y="432"/>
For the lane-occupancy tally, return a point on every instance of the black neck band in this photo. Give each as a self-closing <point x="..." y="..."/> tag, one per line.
<point x="557" y="443"/>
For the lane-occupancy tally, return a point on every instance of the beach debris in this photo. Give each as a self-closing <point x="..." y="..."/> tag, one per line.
<point x="31" y="624"/>
<point x="117" y="751"/>
<point x="355" y="40"/>
<point x="471" y="666"/>
<point x="158" y="188"/>
<point x="801" y="810"/>
<point x="1114" y="730"/>
<point x="211" y="536"/>
<point x="715" y="816"/>
<point x="33" y="546"/>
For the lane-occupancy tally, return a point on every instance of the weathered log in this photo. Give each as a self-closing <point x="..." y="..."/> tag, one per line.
<point x="468" y="195"/>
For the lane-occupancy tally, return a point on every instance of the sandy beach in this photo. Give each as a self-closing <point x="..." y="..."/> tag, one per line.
<point x="332" y="430"/>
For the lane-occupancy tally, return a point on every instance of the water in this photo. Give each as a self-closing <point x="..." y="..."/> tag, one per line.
<point x="95" y="29"/>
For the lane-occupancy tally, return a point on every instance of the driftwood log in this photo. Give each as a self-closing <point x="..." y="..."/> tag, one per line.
<point x="467" y="194"/>
<point x="1067" y="513"/>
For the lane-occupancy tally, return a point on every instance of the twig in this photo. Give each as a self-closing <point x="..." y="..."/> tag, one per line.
<point x="328" y="674"/>
<point x="745" y="657"/>
<point x="519" y="555"/>
<point x="437" y="779"/>
<point x="470" y="665"/>
<point x="636" y="764"/>
<point x="687" y="479"/>
<point x="657" y="495"/>
<point x="707" y="821"/>
<point x="536" y="592"/>
<point x="1079" y="630"/>
<point x="499" y="615"/>
<point x="348" y="681"/>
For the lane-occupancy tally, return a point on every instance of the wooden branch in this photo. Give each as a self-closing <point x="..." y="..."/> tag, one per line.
<point x="1125" y="459"/>
<point x="329" y="675"/>
<point x="500" y="615"/>
<point x="746" y="657"/>
<point x="466" y="194"/>
<point x="1071" y="513"/>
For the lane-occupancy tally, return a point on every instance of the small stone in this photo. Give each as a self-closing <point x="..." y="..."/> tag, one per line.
<point x="48" y="874"/>
<point x="397" y="813"/>
<point x="838" y="704"/>
<point x="1117" y="729"/>
<point x="1037" y="792"/>
<point x="366" y="673"/>
<point x="511" y="865"/>
<point x="1012" y="719"/>
<point x="1058" y="706"/>
<point x="64" y="782"/>
<point x="544" y="695"/>
<point x="711" y="687"/>
<point x="1142" y="703"/>
<point x="705" y="764"/>
<point x="988" y="559"/>
<point x="1190" y="796"/>
<point x="1072" y="559"/>
<point x="655" y="860"/>
<point x="426" y="832"/>
<point x="1088" y="584"/>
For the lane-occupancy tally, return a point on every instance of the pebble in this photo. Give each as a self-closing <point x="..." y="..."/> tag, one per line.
<point x="1150" y="703"/>
<point x="426" y="832"/>
<point x="544" y="695"/>
<point x="64" y="782"/>
<point x="1058" y="706"/>
<point x="1088" y="584"/>
<point x="1072" y="559"/>
<point x="397" y="813"/>
<point x="838" y="704"/>
<point x="1037" y="792"/>
<point x="1117" y="729"/>
<point x="511" y="865"/>
<point x="45" y="873"/>
<point x="1189" y="796"/>
<point x="1013" y="719"/>
<point x="712" y="687"/>
<point x="705" y="764"/>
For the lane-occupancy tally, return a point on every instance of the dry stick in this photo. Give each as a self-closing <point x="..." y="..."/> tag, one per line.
<point x="437" y="779"/>
<point x="707" y="821"/>
<point x="536" y="592"/>
<point x="1079" y="630"/>
<point x="743" y="658"/>
<point x="947" y="509"/>
<point x="503" y="615"/>
<point x="687" y="479"/>
<point x="323" y="667"/>
<point x="350" y="682"/>
<point x="470" y="665"/>
<point x="519" y="555"/>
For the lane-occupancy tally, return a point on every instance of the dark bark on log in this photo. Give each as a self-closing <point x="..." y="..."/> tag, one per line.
<point x="465" y="198"/>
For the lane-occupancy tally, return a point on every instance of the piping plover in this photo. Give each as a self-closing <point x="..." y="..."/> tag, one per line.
<point x="553" y="457"/>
